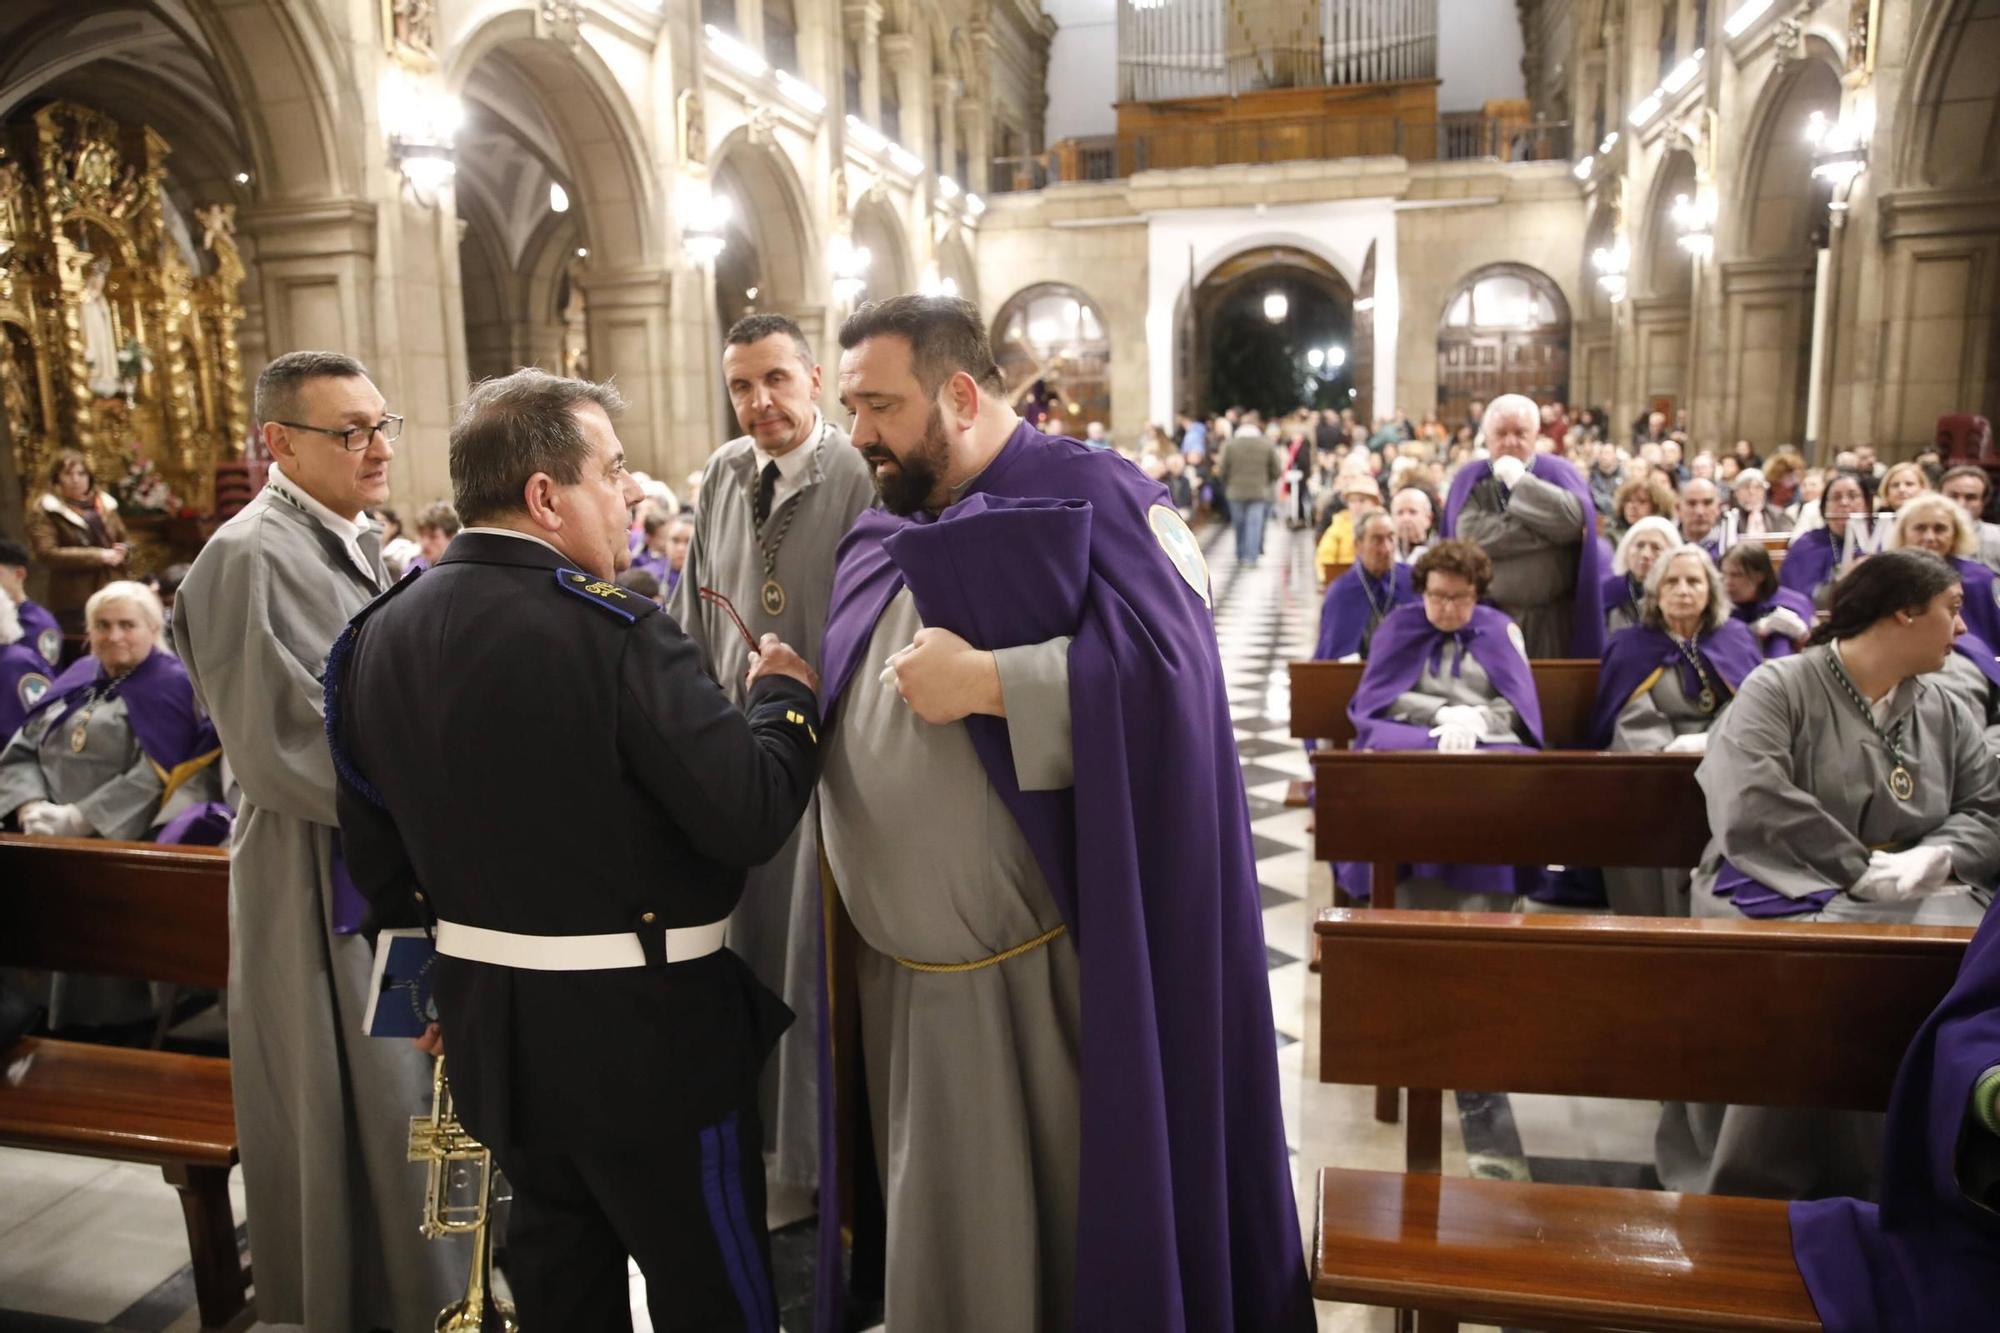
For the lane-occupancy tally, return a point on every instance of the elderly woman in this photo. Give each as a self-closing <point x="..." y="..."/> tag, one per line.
<point x="1663" y="684"/>
<point x="1935" y="523"/>
<point x="1452" y="675"/>
<point x="1844" y="784"/>
<point x="1901" y="484"/>
<point x="1641" y="497"/>
<point x="1750" y="504"/>
<point x="1816" y="558"/>
<point x="75" y="533"/>
<point x="1641" y="547"/>
<point x="1780" y="617"/>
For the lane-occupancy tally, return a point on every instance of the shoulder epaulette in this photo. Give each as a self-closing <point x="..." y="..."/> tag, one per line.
<point x="627" y="605"/>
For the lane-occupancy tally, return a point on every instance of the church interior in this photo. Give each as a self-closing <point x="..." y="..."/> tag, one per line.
<point x="1344" y="229"/>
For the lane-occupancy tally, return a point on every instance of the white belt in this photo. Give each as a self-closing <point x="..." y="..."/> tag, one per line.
<point x="570" y="953"/>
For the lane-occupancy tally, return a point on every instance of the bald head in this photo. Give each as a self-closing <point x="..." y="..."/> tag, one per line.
<point x="1511" y="423"/>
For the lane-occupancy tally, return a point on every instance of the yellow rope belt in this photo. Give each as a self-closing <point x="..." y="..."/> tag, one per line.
<point x="997" y="958"/>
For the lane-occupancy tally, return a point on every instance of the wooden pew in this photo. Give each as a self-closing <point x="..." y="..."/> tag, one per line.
<point x="156" y="913"/>
<point x="1321" y="692"/>
<point x="1595" y="1007"/>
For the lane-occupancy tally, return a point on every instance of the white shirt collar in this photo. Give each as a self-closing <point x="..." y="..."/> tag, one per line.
<point x="346" y="530"/>
<point x="518" y="536"/>
<point x="792" y="463"/>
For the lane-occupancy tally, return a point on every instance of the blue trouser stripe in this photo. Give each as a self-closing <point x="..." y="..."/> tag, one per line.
<point x="725" y="1235"/>
<point x="746" y="1236"/>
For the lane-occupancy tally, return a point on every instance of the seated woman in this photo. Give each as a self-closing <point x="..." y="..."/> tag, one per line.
<point x="1902" y="483"/>
<point x="1750" y="504"/>
<point x="1663" y="684"/>
<point x="1449" y="674"/>
<point x="1641" y="497"/>
<point x="1815" y="558"/>
<point x="1844" y="784"/>
<point x="1641" y="547"/>
<point x="1780" y="617"/>
<point x="1935" y="523"/>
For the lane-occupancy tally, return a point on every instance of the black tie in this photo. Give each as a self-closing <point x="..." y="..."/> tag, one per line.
<point x="767" y="485"/>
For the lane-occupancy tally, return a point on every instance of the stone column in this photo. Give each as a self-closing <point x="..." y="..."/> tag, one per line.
<point x="315" y="272"/>
<point x="945" y="89"/>
<point x="631" y="340"/>
<point x="901" y="50"/>
<point x="864" y="29"/>
<point x="978" y="143"/>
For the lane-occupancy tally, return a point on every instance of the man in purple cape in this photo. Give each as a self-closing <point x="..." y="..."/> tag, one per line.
<point x="1532" y="513"/>
<point x="1406" y="646"/>
<point x="1929" y="1256"/>
<point x="1357" y="601"/>
<point x="39" y="629"/>
<point x="1637" y="656"/>
<point x="1177" y="1214"/>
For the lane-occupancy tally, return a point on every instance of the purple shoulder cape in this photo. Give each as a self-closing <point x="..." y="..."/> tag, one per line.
<point x="1619" y="594"/>
<point x="1343" y="615"/>
<point x="1403" y="644"/>
<point x="1978" y="650"/>
<point x="24" y="680"/>
<point x="40" y="628"/>
<point x="1809" y="561"/>
<point x="1637" y="652"/>
<point x="1928" y="1257"/>
<point x="1792" y="600"/>
<point x="1186" y="1218"/>
<point x="1586" y="634"/>
<point x="1981" y="611"/>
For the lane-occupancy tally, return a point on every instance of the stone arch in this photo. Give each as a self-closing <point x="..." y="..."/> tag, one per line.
<point x="1777" y="198"/>
<point x="876" y="226"/>
<point x="1950" y="102"/>
<point x="773" y="213"/>
<point x="1055" y="334"/>
<point x="1221" y="281"/>
<point x="954" y="261"/>
<point x="1666" y="270"/>
<point x="1504" y="328"/>
<point x="599" y="147"/>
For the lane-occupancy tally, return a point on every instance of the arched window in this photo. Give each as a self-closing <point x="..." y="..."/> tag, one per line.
<point x="1054" y="333"/>
<point x="1504" y="329"/>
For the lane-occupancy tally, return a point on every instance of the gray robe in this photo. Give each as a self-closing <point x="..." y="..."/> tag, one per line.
<point x="1534" y="540"/>
<point x="1797" y="789"/>
<point x="115" y="786"/>
<point x="1649" y="721"/>
<point x="322" y="1110"/>
<point x="775" y="926"/>
<point x="972" y="1076"/>
<point x="1435" y="687"/>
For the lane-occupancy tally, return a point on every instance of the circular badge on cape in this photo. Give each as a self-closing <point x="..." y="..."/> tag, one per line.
<point x="30" y="689"/>
<point x="1518" y="639"/>
<point x="1174" y="537"/>
<point x="49" y="643"/>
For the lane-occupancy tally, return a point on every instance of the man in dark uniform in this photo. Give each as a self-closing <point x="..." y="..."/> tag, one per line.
<point x="572" y="803"/>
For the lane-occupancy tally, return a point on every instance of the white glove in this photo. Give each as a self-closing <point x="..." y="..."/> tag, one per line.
<point x="1897" y="877"/>
<point x="1456" y="739"/>
<point x="56" y="821"/>
<point x="30" y="814"/>
<point x="1466" y="716"/>
<point x="1351" y="657"/>
<point x="1784" y="622"/>
<point x="1695" y="742"/>
<point x="1509" y="469"/>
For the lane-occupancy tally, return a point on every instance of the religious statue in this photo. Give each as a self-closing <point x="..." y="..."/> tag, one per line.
<point x="100" y="334"/>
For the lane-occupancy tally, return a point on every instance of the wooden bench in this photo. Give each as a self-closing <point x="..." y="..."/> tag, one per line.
<point x="1595" y="1007"/>
<point x="139" y="910"/>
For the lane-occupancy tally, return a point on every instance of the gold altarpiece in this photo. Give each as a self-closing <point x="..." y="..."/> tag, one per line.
<point x="81" y="193"/>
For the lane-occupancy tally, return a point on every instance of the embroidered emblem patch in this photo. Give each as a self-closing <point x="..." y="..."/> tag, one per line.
<point x="1519" y="640"/>
<point x="1171" y="531"/>
<point x="49" y="644"/>
<point x="31" y="688"/>
<point x="596" y="591"/>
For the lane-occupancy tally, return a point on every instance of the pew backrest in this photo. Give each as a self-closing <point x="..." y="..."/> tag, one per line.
<point x="1575" y="808"/>
<point x="126" y="909"/>
<point x="1321" y="691"/>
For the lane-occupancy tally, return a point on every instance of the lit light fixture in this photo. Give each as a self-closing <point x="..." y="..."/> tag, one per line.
<point x="750" y="293"/>
<point x="1694" y="218"/>
<point x="1276" y="306"/>
<point x="583" y="252"/>
<point x="1744" y="15"/>
<point x="1607" y="143"/>
<point x="558" y="198"/>
<point x="948" y="188"/>
<point x="734" y="53"/>
<point x="1840" y="148"/>
<point x="1315" y="358"/>
<point x="1582" y="169"/>
<point x="849" y="263"/>
<point x="800" y="93"/>
<point x="974" y="205"/>
<point x="866" y="135"/>
<point x="1648" y="107"/>
<point x="935" y="284"/>
<point x="422" y="121"/>
<point x="1364" y="305"/>
<point x="906" y="161"/>
<point x="1683" y="73"/>
<point x="1336" y="357"/>
<point x="705" y="216"/>
<point x="242" y="178"/>
<point x="1611" y="263"/>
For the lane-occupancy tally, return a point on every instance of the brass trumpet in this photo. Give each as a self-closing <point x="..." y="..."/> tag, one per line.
<point x="440" y="1142"/>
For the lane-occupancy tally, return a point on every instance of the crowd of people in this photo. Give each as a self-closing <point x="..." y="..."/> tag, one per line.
<point x="842" y="673"/>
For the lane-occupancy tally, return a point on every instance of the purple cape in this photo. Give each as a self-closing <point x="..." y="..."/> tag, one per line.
<point x="1586" y="631"/>
<point x="1977" y="649"/>
<point x="24" y="678"/>
<point x="1403" y="645"/>
<point x="170" y="730"/>
<point x="1185" y="1212"/>
<point x="1620" y="594"/>
<point x="1809" y="561"/>
<point x="1346" y="611"/>
<point x="1636" y="653"/>
<point x="1981" y="612"/>
<point x="39" y="628"/>
<point x="1929" y="1257"/>
<point x="1792" y="600"/>
<point x="656" y="565"/>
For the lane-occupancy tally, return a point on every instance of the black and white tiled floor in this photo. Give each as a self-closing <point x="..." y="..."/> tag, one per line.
<point x="87" y="1245"/>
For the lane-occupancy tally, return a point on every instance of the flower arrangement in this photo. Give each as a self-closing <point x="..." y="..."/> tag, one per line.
<point x="140" y="489"/>
<point x="133" y="361"/>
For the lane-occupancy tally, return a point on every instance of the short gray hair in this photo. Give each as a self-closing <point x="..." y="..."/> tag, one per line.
<point x="125" y="590"/>
<point x="1718" y="598"/>
<point x="513" y="427"/>
<point x="1510" y="404"/>
<point x="279" y="382"/>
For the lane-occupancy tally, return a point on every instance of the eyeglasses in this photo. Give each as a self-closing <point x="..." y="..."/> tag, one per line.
<point x="1451" y="599"/>
<point x="390" y="428"/>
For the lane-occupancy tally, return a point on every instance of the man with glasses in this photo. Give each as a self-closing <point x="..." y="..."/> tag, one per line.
<point x="321" y="1110"/>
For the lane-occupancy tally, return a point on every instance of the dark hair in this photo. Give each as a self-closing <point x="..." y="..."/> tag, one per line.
<point x="13" y="553"/>
<point x="1879" y="587"/>
<point x="642" y="582"/>
<point x="1457" y="556"/>
<point x="1866" y="481"/>
<point x="513" y="427"/>
<point x="439" y="517"/>
<point x="278" y="383"/>
<point x="1968" y="470"/>
<point x="755" y="328"/>
<point x="946" y="335"/>
<point x="1755" y="561"/>
<point x="60" y="464"/>
<point x="172" y="577"/>
<point x="655" y="521"/>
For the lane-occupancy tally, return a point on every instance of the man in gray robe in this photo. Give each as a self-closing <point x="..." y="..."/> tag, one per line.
<point x="1530" y="528"/>
<point x="322" y="1109"/>
<point x="775" y="502"/>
